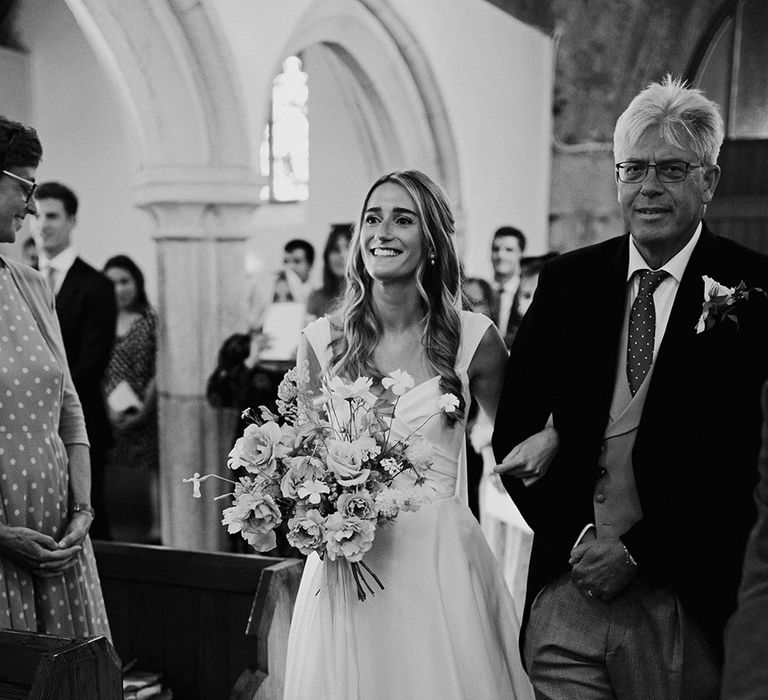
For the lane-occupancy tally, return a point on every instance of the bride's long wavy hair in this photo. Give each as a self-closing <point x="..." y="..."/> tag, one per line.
<point x="438" y="280"/>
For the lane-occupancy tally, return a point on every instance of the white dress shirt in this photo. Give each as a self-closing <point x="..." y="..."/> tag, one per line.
<point x="665" y="293"/>
<point x="60" y="263"/>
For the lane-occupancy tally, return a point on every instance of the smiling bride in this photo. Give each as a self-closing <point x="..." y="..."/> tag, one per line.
<point x="445" y="625"/>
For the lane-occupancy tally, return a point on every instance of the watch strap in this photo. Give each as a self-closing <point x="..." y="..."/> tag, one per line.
<point x="82" y="508"/>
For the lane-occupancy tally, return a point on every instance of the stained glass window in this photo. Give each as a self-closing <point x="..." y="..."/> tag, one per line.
<point x="284" y="150"/>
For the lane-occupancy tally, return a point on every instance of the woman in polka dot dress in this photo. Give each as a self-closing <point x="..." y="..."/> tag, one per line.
<point x="48" y="577"/>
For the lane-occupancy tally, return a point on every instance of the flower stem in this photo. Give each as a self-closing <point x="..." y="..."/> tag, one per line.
<point x="375" y="577"/>
<point x="356" y="573"/>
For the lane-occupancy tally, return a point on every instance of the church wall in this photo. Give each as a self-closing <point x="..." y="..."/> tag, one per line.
<point x="84" y="137"/>
<point x="338" y="178"/>
<point x="493" y="73"/>
<point x="15" y="100"/>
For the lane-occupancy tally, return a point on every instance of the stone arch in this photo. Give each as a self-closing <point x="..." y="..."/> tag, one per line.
<point x="401" y="117"/>
<point x="170" y="66"/>
<point x="169" y="63"/>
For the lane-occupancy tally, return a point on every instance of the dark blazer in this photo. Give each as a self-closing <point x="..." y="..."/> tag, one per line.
<point x="745" y="676"/>
<point x="87" y="312"/>
<point x="699" y="435"/>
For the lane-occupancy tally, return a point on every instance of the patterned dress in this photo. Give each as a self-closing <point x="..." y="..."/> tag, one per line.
<point x="134" y="360"/>
<point x="34" y="479"/>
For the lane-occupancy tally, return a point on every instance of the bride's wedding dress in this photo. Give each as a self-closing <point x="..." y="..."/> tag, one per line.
<point x="444" y="627"/>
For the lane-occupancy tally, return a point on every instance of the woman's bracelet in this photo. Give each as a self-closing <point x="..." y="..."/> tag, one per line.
<point x="82" y="508"/>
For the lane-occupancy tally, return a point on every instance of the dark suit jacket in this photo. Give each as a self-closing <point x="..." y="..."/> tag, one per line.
<point x="699" y="435"/>
<point x="745" y="676"/>
<point x="86" y="309"/>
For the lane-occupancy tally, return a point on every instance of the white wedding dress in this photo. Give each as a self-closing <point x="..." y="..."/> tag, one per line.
<point x="444" y="627"/>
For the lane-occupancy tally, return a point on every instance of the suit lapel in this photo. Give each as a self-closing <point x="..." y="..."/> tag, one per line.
<point x="674" y="354"/>
<point x="69" y="284"/>
<point x="605" y="335"/>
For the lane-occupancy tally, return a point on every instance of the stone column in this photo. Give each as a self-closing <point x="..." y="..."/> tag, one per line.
<point x="201" y="280"/>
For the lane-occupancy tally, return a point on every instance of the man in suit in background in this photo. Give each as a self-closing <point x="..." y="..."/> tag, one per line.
<point x="745" y="676"/>
<point x="85" y="305"/>
<point x="507" y="250"/>
<point x="642" y="517"/>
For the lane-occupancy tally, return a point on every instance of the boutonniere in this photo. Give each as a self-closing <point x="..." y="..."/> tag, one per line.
<point x="720" y="303"/>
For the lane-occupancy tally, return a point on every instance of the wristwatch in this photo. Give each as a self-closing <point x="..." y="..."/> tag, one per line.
<point x="629" y="560"/>
<point x="82" y="508"/>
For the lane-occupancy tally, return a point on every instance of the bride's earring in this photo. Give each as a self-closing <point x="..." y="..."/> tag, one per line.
<point x="432" y="258"/>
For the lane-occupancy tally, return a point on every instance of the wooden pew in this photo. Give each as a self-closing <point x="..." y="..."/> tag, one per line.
<point x="214" y="624"/>
<point x="42" y="667"/>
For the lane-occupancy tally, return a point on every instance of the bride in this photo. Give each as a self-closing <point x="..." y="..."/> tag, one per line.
<point x="445" y="625"/>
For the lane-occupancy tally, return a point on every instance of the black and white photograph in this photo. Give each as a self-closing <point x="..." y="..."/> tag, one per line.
<point x="383" y="349"/>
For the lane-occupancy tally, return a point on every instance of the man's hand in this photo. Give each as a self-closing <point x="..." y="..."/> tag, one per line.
<point x="530" y="459"/>
<point x="123" y="420"/>
<point x="39" y="553"/>
<point x="600" y="568"/>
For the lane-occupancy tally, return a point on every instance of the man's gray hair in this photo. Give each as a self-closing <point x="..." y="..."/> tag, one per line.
<point x="683" y="115"/>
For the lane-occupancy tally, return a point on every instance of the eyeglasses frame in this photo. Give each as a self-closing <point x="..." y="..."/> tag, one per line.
<point x="29" y="183"/>
<point x="648" y="166"/>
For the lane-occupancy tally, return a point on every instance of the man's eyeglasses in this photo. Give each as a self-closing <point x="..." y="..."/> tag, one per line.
<point x="634" y="171"/>
<point x="29" y="186"/>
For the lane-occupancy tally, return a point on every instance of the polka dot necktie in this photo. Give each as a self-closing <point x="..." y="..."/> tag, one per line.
<point x="642" y="329"/>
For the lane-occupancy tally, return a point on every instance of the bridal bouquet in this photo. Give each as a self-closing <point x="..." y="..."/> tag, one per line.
<point x="328" y="467"/>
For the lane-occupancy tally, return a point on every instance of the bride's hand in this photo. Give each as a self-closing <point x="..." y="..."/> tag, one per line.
<point x="530" y="459"/>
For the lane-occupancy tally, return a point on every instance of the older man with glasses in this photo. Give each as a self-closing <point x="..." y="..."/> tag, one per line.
<point x="648" y="351"/>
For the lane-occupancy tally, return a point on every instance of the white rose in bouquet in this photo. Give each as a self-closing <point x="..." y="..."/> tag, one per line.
<point x="306" y="530"/>
<point x="346" y="462"/>
<point x="258" y="449"/>
<point x="255" y="516"/>
<point x="348" y="538"/>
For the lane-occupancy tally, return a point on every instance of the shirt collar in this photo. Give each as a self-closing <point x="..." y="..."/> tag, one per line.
<point x="674" y="267"/>
<point x="61" y="262"/>
<point x="507" y="286"/>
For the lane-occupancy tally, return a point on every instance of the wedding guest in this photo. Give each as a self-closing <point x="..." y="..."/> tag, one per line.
<point x="322" y="300"/>
<point x="131" y="483"/>
<point x="275" y="329"/>
<point x="291" y="283"/>
<point x="444" y="626"/>
<point x="29" y="253"/>
<point x="479" y="294"/>
<point x="85" y="305"/>
<point x="507" y="249"/>
<point x="48" y="573"/>
<point x="745" y="676"/>
<point x="292" y="280"/>
<point x="642" y="518"/>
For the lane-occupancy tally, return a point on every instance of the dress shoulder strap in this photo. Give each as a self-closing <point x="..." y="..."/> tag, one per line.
<point x="318" y="333"/>
<point x="473" y="328"/>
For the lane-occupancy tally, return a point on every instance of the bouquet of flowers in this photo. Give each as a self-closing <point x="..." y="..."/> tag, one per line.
<point x="328" y="467"/>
